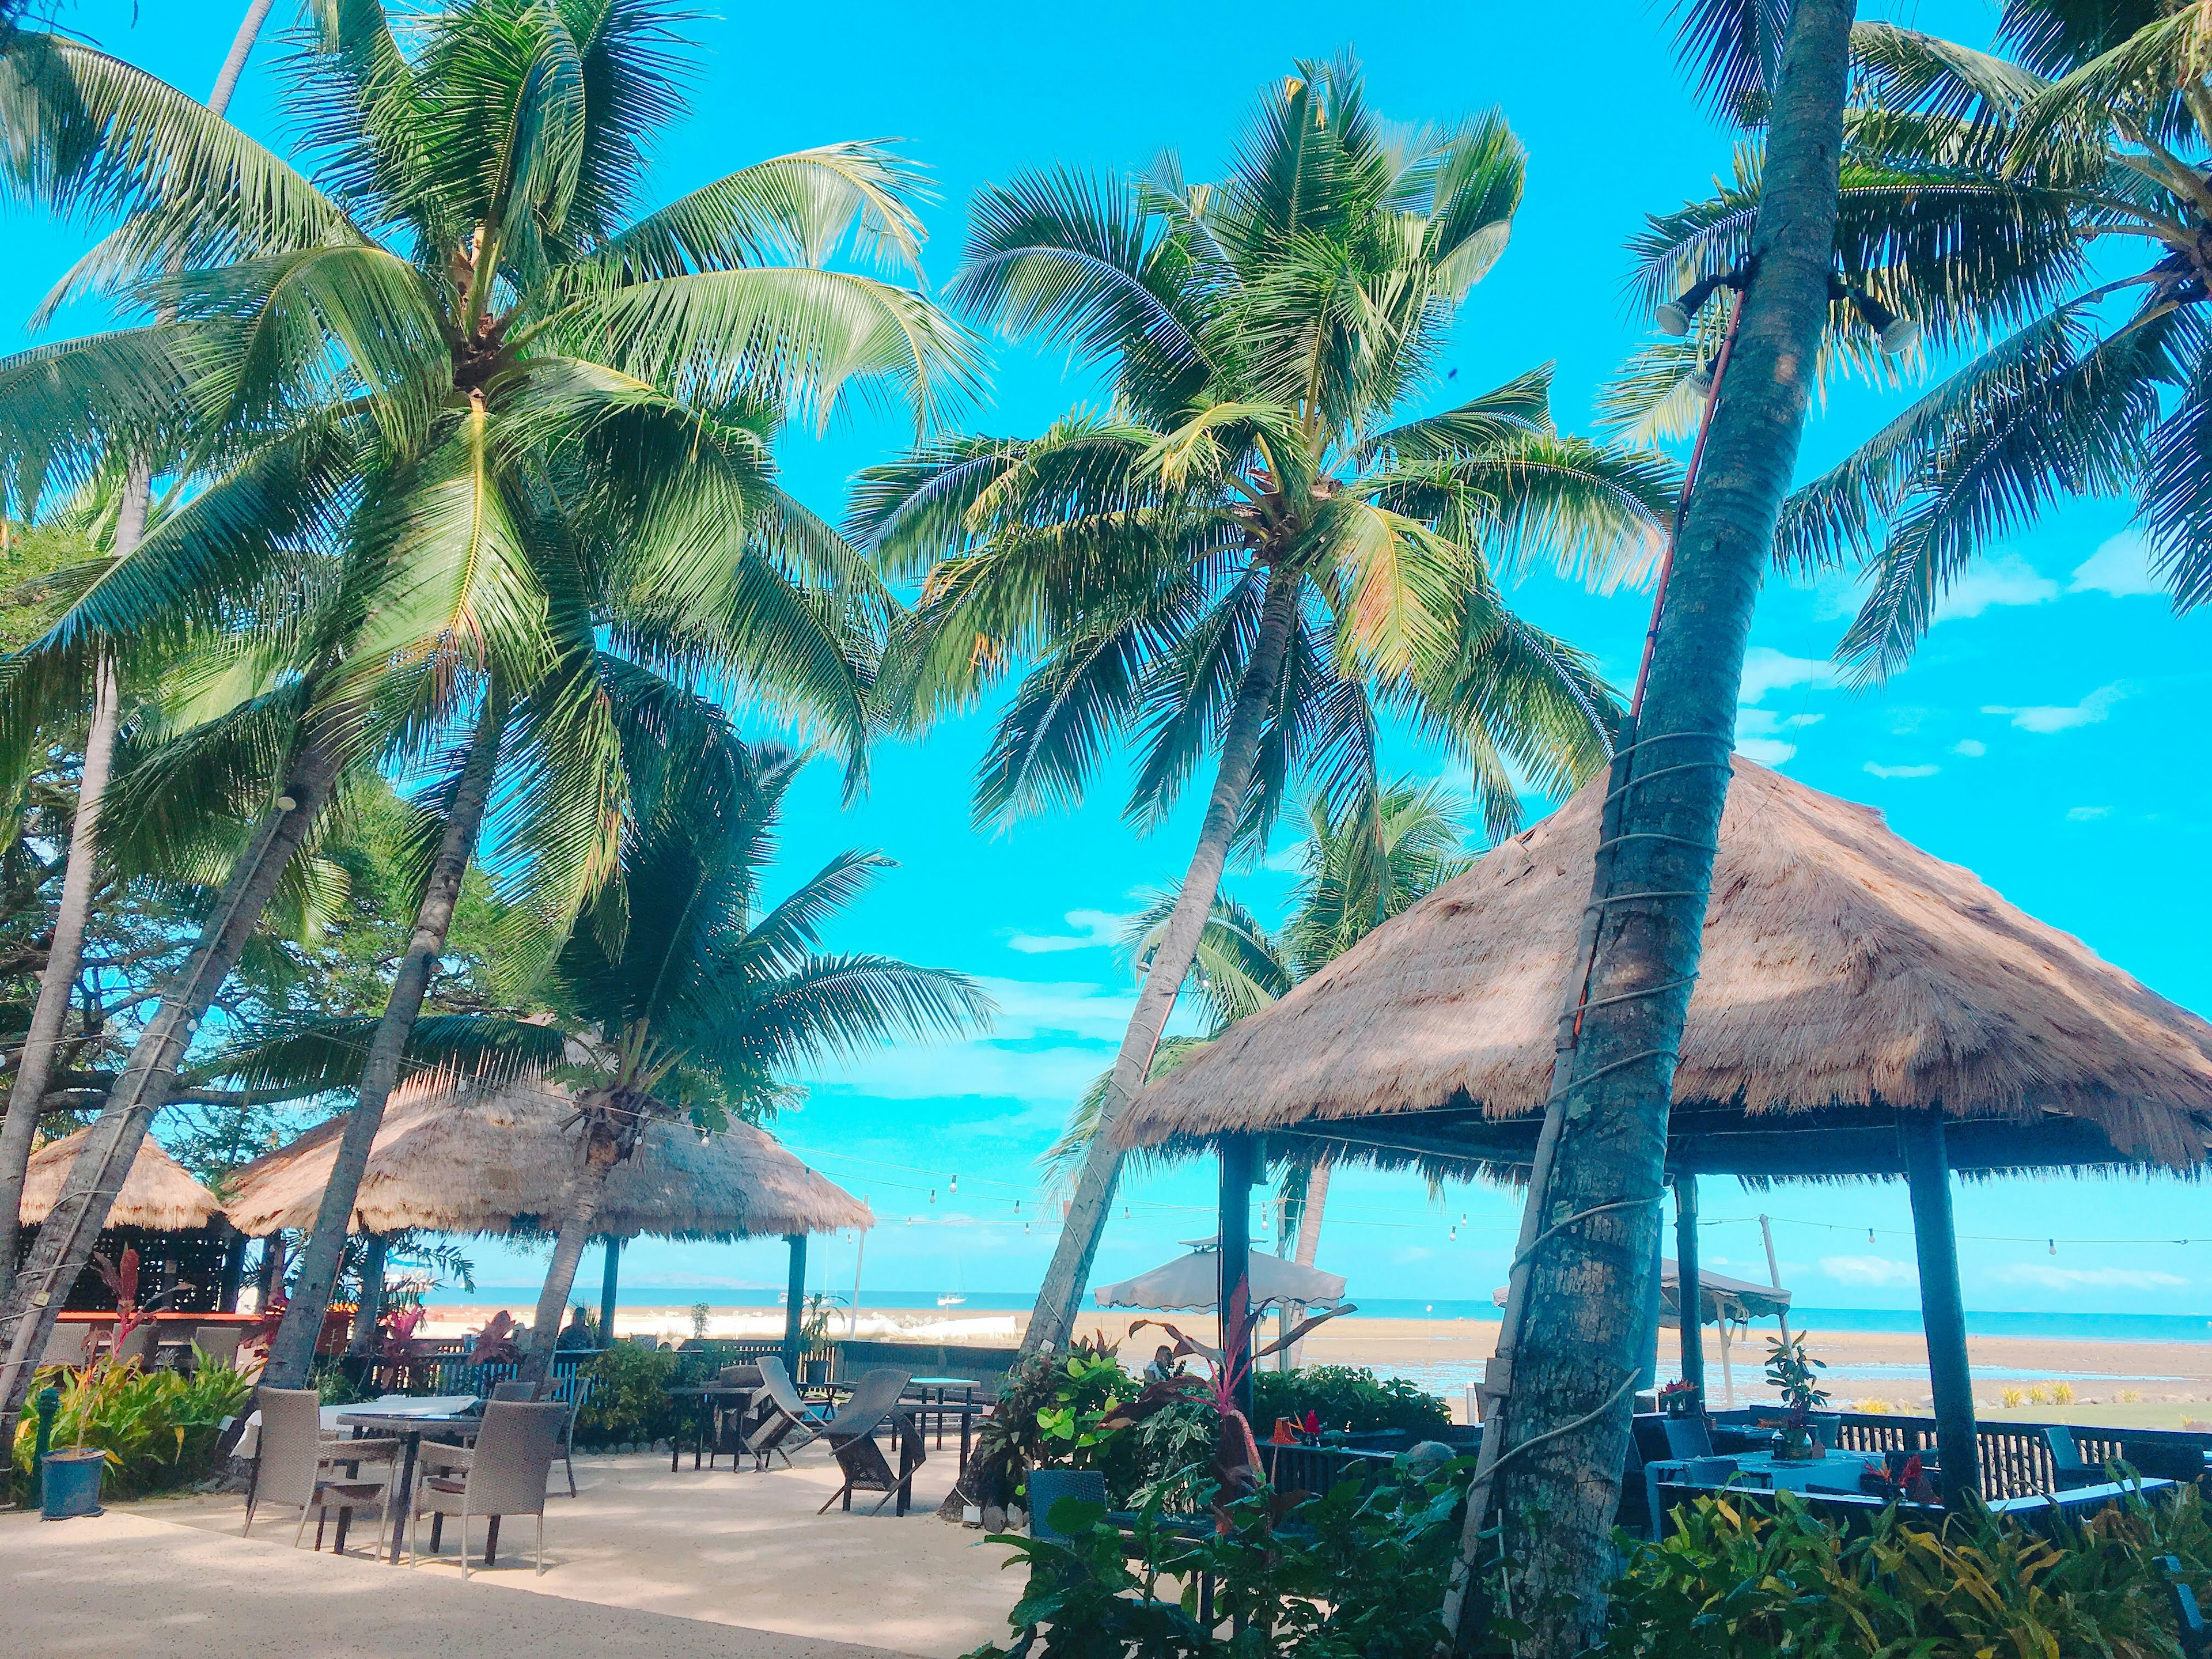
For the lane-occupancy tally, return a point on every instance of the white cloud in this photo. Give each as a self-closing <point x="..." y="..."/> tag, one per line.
<point x="2074" y="1278"/>
<point x="2085" y="814"/>
<point x="1972" y="748"/>
<point x="2120" y="566"/>
<point x="1765" y="668"/>
<point x="1758" y="733"/>
<point x="1868" y="1270"/>
<point x="2006" y="580"/>
<point x="2047" y="718"/>
<point x="1767" y="751"/>
<point x="1880" y="771"/>
<point x="1092" y="930"/>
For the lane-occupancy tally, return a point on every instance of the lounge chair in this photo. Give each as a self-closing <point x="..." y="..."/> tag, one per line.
<point x="296" y="1463"/>
<point x="852" y="1437"/>
<point x="785" y="1423"/>
<point x="504" y="1474"/>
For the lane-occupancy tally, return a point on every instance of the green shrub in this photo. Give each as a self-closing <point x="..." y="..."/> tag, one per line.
<point x="158" y="1428"/>
<point x="629" y="1402"/>
<point x="1734" y="1583"/>
<point x="1049" y="1408"/>
<point x="1346" y="1397"/>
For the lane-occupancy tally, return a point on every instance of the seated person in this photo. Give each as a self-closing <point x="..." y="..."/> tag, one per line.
<point x="1164" y="1365"/>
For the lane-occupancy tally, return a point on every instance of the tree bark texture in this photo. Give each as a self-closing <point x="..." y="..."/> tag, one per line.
<point x="1562" y="1425"/>
<point x="293" y="1354"/>
<point x="560" y="1272"/>
<point x="35" y="1070"/>
<point x="66" y="1239"/>
<point x="363" y="1341"/>
<point x="1077" y="1247"/>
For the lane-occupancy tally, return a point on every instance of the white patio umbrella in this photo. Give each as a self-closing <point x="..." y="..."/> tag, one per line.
<point x="1192" y="1283"/>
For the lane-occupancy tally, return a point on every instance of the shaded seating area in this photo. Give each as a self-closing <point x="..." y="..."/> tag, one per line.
<point x="299" y="1466"/>
<point x="1862" y="1010"/>
<point x="851" y="1438"/>
<point x="504" y="1474"/>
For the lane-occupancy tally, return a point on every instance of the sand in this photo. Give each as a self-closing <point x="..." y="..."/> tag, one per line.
<point x="2147" y="1383"/>
<point x="631" y="1561"/>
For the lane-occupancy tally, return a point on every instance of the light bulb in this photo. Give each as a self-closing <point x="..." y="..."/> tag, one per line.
<point x="1672" y="319"/>
<point x="1899" y="337"/>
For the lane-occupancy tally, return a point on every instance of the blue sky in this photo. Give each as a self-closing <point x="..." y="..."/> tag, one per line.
<point x="2032" y="739"/>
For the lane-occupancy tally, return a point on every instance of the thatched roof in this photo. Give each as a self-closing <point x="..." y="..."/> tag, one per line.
<point x="157" y="1195"/>
<point x="1847" y="975"/>
<point x="457" y="1157"/>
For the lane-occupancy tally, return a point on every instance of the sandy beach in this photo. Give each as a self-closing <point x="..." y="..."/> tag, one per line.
<point x="2145" y="1382"/>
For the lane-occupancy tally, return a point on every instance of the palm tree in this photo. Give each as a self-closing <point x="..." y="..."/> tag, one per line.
<point x="1994" y="195"/>
<point x="42" y="1043"/>
<point x="1245" y="552"/>
<point x="529" y="417"/>
<point x="1567" y="1348"/>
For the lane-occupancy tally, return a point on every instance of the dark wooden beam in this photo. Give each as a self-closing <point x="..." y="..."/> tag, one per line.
<point x="610" y="1283"/>
<point x="1942" y="1308"/>
<point x="1239" y="1169"/>
<point x="1689" y="1296"/>
<point x="795" y="1310"/>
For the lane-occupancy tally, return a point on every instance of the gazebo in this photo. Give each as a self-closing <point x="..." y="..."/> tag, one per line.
<point x="158" y="1196"/>
<point x="468" y="1157"/>
<point x="1862" y="1010"/>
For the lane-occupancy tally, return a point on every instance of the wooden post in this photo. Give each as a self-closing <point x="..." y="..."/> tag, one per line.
<point x="1689" y="1290"/>
<point x="609" y="1282"/>
<point x="1235" y="1296"/>
<point x="233" y="1268"/>
<point x="362" y="1340"/>
<point x="1648" y="1378"/>
<point x="1943" y="1307"/>
<point x="794" y="1304"/>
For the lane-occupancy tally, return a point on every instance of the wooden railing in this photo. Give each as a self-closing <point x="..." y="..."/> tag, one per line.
<point x="2015" y="1457"/>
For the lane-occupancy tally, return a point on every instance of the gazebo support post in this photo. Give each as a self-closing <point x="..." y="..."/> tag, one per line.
<point x="1689" y="1289"/>
<point x="794" y="1304"/>
<point x="233" y="1268"/>
<point x="363" y="1342"/>
<point x="1942" y="1308"/>
<point x="1238" y="1172"/>
<point x="609" y="1277"/>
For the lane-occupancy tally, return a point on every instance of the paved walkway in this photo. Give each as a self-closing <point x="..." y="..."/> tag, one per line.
<point x="642" y="1562"/>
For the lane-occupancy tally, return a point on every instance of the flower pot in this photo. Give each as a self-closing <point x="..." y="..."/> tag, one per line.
<point x="69" y="1483"/>
<point x="1049" y="1487"/>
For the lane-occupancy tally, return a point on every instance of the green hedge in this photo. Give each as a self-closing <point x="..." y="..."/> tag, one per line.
<point x="1346" y="1397"/>
<point x="629" y="1402"/>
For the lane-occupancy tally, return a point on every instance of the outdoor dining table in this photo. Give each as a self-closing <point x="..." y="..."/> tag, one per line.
<point x="944" y="1385"/>
<point x="966" y="1410"/>
<point x="705" y="1394"/>
<point x="1838" y="1472"/>
<point x="409" y="1426"/>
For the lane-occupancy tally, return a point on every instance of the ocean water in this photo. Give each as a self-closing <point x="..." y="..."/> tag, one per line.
<point x="2066" y="1326"/>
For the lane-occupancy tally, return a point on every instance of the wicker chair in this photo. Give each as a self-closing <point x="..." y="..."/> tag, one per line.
<point x="297" y="1464"/>
<point x="783" y="1423"/>
<point x="852" y="1439"/>
<point x="504" y="1474"/>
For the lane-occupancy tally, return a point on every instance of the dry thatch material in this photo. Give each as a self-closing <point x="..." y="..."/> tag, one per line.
<point x="1847" y="974"/>
<point x="462" y="1158"/>
<point x="157" y="1195"/>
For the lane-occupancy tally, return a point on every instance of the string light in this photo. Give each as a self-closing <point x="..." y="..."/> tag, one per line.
<point x="954" y="1188"/>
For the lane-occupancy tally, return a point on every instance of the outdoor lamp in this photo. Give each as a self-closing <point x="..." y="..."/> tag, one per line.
<point x="1898" y="335"/>
<point x="1675" y="318"/>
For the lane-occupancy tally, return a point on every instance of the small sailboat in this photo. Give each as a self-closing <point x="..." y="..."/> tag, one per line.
<point x="950" y="1300"/>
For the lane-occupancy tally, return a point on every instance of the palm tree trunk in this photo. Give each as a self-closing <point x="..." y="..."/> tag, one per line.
<point x="363" y="1341"/>
<point x="1564" y="1421"/>
<point x="149" y="1077"/>
<point x="292" y="1355"/>
<point x="34" y="1069"/>
<point x="1303" y="1249"/>
<point x="560" y="1272"/>
<point x="1054" y="1314"/>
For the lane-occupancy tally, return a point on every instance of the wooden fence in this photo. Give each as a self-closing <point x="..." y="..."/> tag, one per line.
<point x="2015" y="1457"/>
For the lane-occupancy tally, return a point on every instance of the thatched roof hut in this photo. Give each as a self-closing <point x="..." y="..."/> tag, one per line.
<point x="157" y="1195"/>
<point x="464" y="1158"/>
<point x="1848" y="977"/>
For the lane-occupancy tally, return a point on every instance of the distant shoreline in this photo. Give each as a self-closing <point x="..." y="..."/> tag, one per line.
<point x="2055" y="1327"/>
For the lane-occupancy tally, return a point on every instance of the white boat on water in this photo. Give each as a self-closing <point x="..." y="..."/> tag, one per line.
<point x="949" y="1300"/>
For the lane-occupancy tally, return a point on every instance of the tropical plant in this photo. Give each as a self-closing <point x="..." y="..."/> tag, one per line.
<point x="42" y="1041"/>
<point x="629" y="1403"/>
<point x="536" y="432"/>
<point x="1573" y="1323"/>
<point x="1991" y="195"/>
<point x="1252" y="546"/>
<point x="1350" y="1398"/>
<point x="158" y="1427"/>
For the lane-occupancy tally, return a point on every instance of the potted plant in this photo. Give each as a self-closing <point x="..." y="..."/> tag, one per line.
<point x="1681" y="1398"/>
<point x="1795" y="1375"/>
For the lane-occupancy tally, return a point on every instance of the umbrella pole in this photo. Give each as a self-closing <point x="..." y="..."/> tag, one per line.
<point x="1727" y="1371"/>
<point x="1774" y="1274"/>
<point x="853" y="1314"/>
